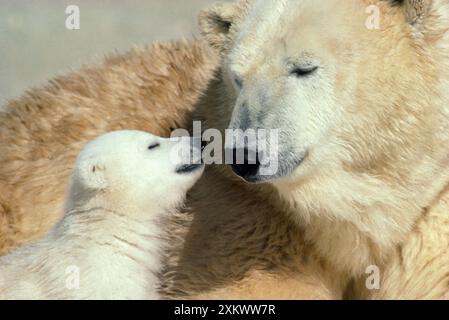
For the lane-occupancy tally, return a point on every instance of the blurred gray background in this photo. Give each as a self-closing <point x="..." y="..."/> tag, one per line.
<point x="35" y="44"/>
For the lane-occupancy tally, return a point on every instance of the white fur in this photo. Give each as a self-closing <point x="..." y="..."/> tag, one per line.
<point x="112" y="231"/>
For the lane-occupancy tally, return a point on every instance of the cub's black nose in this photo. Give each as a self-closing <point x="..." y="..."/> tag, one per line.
<point x="247" y="169"/>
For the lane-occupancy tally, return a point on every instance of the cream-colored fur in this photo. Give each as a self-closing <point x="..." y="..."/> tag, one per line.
<point x="110" y="243"/>
<point x="420" y="269"/>
<point x="371" y="121"/>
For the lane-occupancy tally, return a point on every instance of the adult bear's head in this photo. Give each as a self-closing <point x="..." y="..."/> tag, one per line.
<point x="354" y="85"/>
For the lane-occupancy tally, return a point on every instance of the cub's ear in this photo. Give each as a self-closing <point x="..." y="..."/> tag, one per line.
<point x="416" y="11"/>
<point x="216" y="21"/>
<point x="91" y="173"/>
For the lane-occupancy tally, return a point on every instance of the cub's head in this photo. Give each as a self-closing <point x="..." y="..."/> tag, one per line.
<point x="133" y="168"/>
<point x="351" y="84"/>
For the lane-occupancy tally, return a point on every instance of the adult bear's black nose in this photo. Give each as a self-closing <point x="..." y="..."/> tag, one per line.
<point x="246" y="164"/>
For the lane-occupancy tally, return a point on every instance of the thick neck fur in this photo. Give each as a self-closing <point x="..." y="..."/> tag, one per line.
<point x="355" y="220"/>
<point x="118" y="254"/>
<point x="135" y="231"/>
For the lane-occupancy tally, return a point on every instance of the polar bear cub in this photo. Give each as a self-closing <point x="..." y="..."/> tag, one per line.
<point x="109" y="244"/>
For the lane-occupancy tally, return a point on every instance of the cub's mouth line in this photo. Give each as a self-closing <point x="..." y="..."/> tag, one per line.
<point x="188" y="168"/>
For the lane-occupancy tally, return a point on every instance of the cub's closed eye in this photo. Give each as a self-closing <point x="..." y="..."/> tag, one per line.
<point x="304" y="71"/>
<point x="154" y="146"/>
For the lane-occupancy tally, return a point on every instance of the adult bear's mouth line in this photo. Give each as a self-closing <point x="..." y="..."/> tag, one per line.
<point x="291" y="165"/>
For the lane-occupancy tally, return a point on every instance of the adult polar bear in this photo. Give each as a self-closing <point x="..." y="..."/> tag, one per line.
<point x="365" y="122"/>
<point x="364" y="119"/>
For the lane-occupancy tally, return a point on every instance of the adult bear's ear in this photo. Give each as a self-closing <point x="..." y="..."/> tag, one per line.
<point x="216" y="21"/>
<point x="416" y="11"/>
